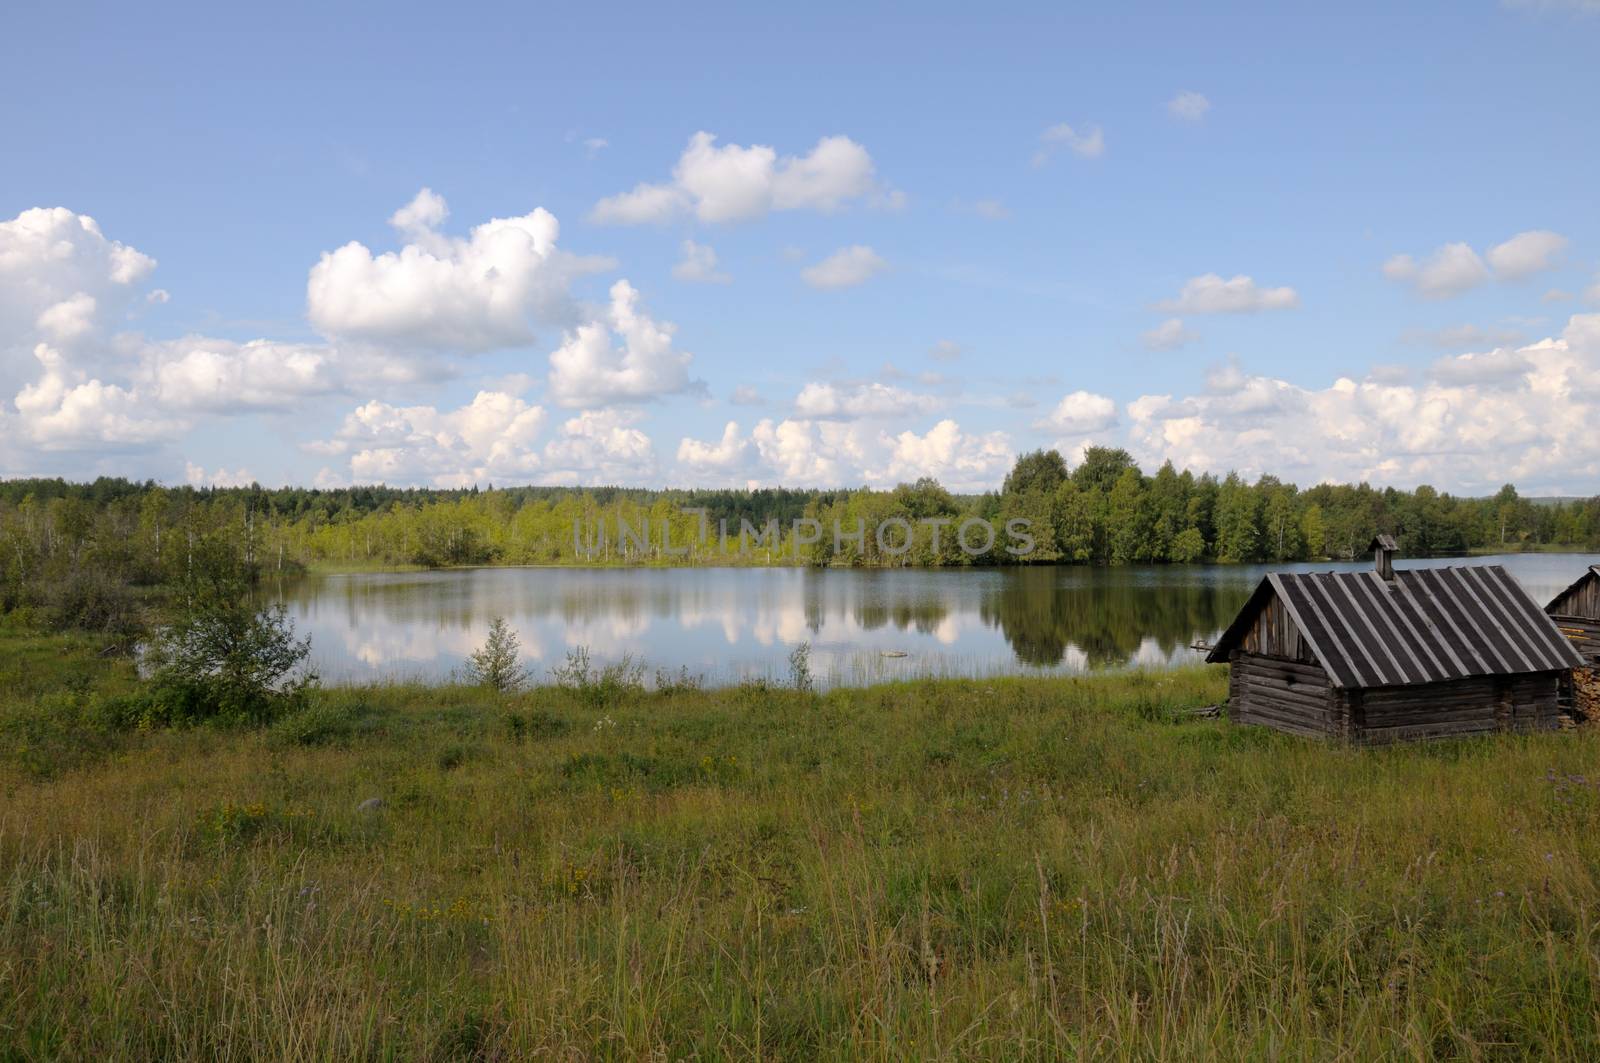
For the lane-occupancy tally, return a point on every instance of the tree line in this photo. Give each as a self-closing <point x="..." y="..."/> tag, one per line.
<point x="74" y="548"/>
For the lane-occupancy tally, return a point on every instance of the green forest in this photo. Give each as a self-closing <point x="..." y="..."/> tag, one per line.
<point x="60" y="539"/>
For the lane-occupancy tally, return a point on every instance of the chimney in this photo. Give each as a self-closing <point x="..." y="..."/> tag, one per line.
<point x="1383" y="549"/>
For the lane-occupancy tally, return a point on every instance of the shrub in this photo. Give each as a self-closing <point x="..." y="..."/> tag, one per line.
<point x="599" y="687"/>
<point x="800" y="667"/>
<point x="317" y="724"/>
<point x="682" y="681"/>
<point x="228" y="661"/>
<point x="498" y="663"/>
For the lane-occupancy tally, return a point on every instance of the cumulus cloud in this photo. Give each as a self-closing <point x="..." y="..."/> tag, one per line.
<point x="1485" y="369"/>
<point x="1449" y="271"/>
<point x="492" y="437"/>
<point x="803" y="452"/>
<point x="821" y="401"/>
<point x="1210" y="294"/>
<point x="745" y="395"/>
<point x="62" y="282"/>
<point x="1478" y="421"/>
<point x="1456" y="268"/>
<point x="1087" y="142"/>
<point x="1081" y="412"/>
<point x="729" y="183"/>
<point x="200" y="374"/>
<point x="945" y="351"/>
<point x="845" y="268"/>
<point x="699" y="265"/>
<point x="1526" y="254"/>
<point x="83" y="383"/>
<point x="725" y="455"/>
<point x="1169" y="335"/>
<point x="65" y="409"/>
<point x="1189" y="106"/>
<point x="445" y="293"/>
<point x="601" y="446"/>
<point x="196" y="476"/>
<point x="590" y="368"/>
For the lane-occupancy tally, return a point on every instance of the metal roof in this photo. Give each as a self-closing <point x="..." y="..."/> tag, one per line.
<point x="1426" y="625"/>
<point x="1588" y="574"/>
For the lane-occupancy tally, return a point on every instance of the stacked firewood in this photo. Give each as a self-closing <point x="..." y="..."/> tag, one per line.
<point x="1586" y="695"/>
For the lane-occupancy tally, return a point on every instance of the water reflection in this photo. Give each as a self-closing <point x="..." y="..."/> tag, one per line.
<point x="732" y="624"/>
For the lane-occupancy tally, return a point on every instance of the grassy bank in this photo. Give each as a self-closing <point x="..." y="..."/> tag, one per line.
<point x="997" y="869"/>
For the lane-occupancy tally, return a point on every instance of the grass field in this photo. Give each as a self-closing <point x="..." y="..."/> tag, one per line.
<point x="995" y="869"/>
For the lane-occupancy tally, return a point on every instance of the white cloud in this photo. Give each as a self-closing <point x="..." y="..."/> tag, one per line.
<point x="818" y="401"/>
<point x="196" y="476"/>
<point x="1169" y="335"/>
<point x="745" y="395"/>
<point x="992" y="209"/>
<point x="1449" y="271"/>
<point x="1592" y="293"/>
<point x="601" y="447"/>
<point x="218" y="376"/>
<point x="1526" y="254"/>
<point x="959" y="460"/>
<point x="64" y="409"/>
<point x="811" y="453"/>
<point x="158" y="296"/>
<point x="589" y="369"/>
<point x="1210" y="294"/>
<point x="1081" y="412"/>
<point x="699" y="265"/>
<point x="490" y="438"/>
<point x="1456" y="268"/>
<point x="61" y="283"/>
<point x="1087" y="142"/>
<point x="1477" y="422"/>
<point x="444" y="293"/>
<point x="945" y="351"/>
<point x="1189" y="106"/>
<point x="845" y="268"/>
<point x="727" y="454"/>
<point x="733" y="183"/>
<point x="1486" y="369"/>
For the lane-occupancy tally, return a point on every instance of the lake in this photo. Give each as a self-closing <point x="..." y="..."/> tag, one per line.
<point x="732" y="624"/>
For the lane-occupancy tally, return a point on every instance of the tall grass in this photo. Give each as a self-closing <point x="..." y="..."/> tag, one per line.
<point x="1008" y="868"/>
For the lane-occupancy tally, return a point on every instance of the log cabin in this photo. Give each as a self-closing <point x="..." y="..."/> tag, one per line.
<point x="1387" y="655"/>
<point x="1576" y="612"/>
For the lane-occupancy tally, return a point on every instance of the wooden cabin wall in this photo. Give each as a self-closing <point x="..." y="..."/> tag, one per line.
<point x="1583" y="601"/>
<point x="1274" y="634"/>
<point x="1280" y="693"/>
<point x="1459" y="707"/>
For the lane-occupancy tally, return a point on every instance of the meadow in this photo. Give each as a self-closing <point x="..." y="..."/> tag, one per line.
<point x="1001" y="869"/>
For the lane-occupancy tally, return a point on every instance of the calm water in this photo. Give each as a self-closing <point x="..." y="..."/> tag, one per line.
<point x="732" y="624"/>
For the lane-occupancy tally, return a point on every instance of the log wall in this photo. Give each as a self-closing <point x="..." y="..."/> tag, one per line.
<point x="1280" y="693"/>
<point x="1297" y="697"/>
<point x="1581" y="601"/>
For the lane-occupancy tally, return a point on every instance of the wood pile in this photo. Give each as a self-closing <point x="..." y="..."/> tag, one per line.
<point x="1586" y="695"/>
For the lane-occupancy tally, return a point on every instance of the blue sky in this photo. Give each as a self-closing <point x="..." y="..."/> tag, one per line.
<point x="912" y="241"/>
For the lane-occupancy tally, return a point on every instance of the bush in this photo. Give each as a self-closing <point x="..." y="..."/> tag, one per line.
<point x="229" y="661"/>
<point x="498" y="664"/>
<point x="319" y="723"/>
<point x="599" y="687"/>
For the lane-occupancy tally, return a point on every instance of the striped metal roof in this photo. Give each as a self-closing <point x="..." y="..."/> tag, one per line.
<point x="1426" y="625"/>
